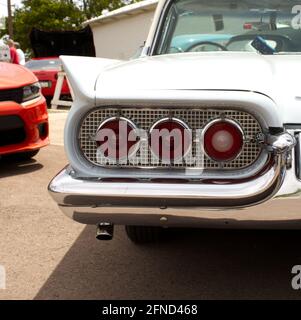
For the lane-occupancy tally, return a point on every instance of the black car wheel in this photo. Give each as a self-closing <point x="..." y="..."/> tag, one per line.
<point x="143" y="234"/>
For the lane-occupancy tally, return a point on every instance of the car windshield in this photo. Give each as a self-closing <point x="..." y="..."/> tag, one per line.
<point x="264" y="26"/>
<point x="44" y="64"/>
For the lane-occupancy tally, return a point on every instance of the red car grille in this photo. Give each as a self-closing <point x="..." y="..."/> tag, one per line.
<point x="15" y="95"/>
<point x="12" y="130"/>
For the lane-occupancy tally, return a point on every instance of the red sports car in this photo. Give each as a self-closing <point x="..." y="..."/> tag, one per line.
<point x="23" y="112"/>
<point x="46" y="70"/>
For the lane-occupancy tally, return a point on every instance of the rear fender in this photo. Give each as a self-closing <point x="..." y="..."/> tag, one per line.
<point x="82" y="73"/>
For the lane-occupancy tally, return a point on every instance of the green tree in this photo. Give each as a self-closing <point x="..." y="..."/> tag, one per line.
<point x="58" y="15"/>
<point x="48" y="15"/>
<point x="94" y="8"/>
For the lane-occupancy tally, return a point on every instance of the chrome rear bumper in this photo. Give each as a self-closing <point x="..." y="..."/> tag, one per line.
<point x="91" y="202"/>
<point x="248" y="203"/>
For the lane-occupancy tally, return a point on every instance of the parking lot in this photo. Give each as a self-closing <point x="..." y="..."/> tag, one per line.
<point x="47" y="256"/>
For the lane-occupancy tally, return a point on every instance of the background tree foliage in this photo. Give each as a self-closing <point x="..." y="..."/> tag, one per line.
<point x="57" y="15"/>
<point x="50" y="15"/>
<point x="94" y="8"/>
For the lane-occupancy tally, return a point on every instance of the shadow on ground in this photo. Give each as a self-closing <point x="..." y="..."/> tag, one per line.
<point x="11" y="166"/>
<point x="195" y="264"/>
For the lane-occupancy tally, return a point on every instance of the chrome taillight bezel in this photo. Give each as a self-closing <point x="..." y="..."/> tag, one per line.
<point x="181" y="123"/>
<point x="132" y="125"/>
<point x="230" y="122"/>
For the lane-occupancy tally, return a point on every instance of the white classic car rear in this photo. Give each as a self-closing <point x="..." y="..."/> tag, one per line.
<point x="202" y="130"/>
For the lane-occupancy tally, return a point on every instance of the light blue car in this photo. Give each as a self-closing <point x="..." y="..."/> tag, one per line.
<point x="190" y="42"/>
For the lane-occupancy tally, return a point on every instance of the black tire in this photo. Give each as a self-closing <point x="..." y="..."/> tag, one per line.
<point x="25" y="155"/>
<point x="143" y="234"/>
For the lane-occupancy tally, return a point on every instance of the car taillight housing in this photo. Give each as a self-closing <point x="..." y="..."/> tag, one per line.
<point x="248" y="26"/>
<point x="117" y="138"/>
<point x="223" y="140"/>
<point x="170" y="140"/>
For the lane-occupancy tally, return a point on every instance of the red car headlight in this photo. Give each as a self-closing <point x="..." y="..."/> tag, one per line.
<point x="31" y="92"/>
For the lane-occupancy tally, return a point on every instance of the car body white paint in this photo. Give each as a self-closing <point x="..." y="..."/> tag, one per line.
<point x="274" y="76"/>
<point x="267" y="86"/>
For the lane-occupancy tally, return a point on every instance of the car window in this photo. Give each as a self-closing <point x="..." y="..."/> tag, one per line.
<point x="44" y="64"/>
<point x="230" y="25"/>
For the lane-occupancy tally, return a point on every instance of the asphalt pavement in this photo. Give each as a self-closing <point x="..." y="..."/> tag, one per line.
<point x="48" y="256"/>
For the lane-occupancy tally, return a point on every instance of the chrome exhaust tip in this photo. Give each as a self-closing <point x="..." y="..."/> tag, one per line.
<point x="105" y="231"/>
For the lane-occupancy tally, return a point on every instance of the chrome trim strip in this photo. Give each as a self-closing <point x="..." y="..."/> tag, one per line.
<point x="166" y="119"/>
<point x="131" y="123"/>
<point x="298" y="155"/>
<point x="159" y="27"/>
<point x="31" y="102"/>
<point x="281" y="144"/>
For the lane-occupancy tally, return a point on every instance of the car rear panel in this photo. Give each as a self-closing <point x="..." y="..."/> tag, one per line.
<point x="50" y="76"/>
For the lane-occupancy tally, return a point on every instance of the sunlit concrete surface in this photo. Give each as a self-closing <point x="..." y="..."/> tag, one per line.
<point x="57" y="119"/>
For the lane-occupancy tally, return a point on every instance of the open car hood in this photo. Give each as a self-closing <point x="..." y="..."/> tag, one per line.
<point x="56" y="43"/>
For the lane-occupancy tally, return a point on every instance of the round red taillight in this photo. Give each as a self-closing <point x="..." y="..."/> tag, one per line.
<point x="170" y="139"/>
<point x="223" y="140"/>
<point x="117" y="139"/>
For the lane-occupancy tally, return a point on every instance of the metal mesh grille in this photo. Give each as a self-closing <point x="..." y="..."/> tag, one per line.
<point x="196" y="119"/>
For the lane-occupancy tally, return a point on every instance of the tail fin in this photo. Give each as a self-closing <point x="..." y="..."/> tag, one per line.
<point x="82" y="73"/>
